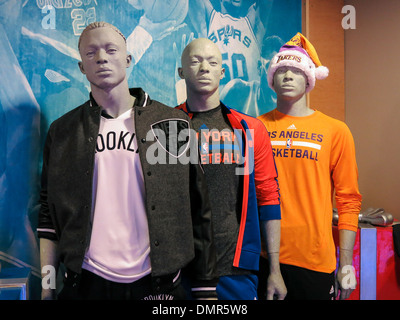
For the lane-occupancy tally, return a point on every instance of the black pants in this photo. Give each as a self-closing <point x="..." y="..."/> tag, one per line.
<point x="89" y="286"/>
<point x="301" y="284"/>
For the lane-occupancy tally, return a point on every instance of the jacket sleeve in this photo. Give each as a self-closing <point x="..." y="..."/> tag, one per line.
<point x="265" y="175"/>
<point x="204" y="266"/>
<point x="45" y="228"/>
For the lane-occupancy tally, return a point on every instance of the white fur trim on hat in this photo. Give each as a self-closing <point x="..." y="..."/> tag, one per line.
<point x="321" y="72"/>
<point x="296" y="59"/>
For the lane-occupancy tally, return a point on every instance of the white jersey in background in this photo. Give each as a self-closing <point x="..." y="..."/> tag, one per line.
<point x="238" y="45"/>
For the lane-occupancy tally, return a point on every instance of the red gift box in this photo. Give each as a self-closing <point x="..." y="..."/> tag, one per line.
<point x="376" y="263"/>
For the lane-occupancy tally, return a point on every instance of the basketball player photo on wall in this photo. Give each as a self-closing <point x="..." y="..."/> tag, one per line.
<point x="159" y="10"/>
<point x="245" y="31"/>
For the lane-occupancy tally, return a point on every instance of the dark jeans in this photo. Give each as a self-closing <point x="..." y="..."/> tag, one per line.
<point x="89" y="286"/>
<point x="301" y="283"/>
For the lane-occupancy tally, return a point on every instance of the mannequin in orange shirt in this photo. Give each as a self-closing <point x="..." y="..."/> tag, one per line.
<point x="323" y="160"/>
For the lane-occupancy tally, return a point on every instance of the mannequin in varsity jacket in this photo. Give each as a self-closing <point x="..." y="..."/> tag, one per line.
<point x="166" y="213"/>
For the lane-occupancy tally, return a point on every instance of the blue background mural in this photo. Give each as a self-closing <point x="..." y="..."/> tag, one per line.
<point x="40" y="79"/>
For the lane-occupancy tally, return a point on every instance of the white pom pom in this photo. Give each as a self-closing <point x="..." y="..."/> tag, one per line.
<point x="321" y="72"/>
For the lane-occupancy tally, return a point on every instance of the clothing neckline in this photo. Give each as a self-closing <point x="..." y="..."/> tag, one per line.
<point x="216" y="109"/>
<point x="284" y="115"/>
<point x="142" y="99"/>
<point x="125" y="115"/>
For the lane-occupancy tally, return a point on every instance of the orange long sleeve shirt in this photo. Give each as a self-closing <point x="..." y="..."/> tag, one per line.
<point x="315" y="159"/>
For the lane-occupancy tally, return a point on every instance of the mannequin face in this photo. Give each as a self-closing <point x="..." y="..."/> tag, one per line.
<point x="104" y="57"/>
<point x="290" y="82"/>
<point x="202" y="67"/>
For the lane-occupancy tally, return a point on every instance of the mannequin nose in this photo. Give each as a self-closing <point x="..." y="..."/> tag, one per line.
<point x="204" y="67"/>
<point x="289" y="74"/>
<point x="101" y="56"/>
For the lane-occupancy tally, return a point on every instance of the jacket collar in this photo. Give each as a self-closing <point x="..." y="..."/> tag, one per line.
<point x="142" y="98"/>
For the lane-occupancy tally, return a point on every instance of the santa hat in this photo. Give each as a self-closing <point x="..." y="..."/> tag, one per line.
<point x="298" y="53"/>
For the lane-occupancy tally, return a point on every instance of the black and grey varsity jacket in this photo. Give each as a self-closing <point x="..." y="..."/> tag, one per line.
<point x="177" y="205"/>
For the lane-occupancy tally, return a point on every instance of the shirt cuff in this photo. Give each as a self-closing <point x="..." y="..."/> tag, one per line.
<point x="270" y="212"/>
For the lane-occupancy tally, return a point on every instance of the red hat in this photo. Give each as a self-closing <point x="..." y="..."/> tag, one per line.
<point x="298" y="52"/>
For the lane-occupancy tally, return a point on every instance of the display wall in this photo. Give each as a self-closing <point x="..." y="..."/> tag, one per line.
<point x="362" y="87"/>
<point x="373" y="100"/>
<point x="322" y="25"/>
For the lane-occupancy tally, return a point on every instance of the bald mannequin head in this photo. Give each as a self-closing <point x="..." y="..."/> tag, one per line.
<point x="200" y="45"/>
<point x="202" y="70"/>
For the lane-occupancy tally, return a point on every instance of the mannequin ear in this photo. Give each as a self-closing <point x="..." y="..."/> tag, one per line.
<point x="80" y="64"/>
<point x="128" y="60"/>
<point x="180" y="72"/>
<point x="222" y="73"/>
